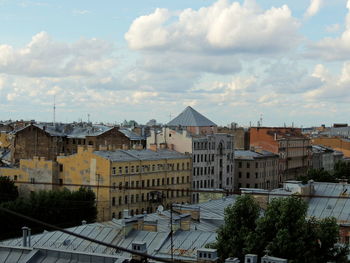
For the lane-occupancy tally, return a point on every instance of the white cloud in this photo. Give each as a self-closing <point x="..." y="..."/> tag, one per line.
<point x="333" y="48"/>
<point x="222" y="26"/>
<point x="43" y="56"/>
<point x="332" y="28"/>
<point x="81" y="12"/>
<point x="313" y="8"/>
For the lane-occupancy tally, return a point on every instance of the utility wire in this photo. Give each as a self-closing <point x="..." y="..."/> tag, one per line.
<point x="144" y="255"/>
<point x="157" y="188"/>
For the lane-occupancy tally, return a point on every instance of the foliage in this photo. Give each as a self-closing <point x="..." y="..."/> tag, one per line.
<point x="342" y="170"/>
<point x="240" y="222"/>
<point x="61" y="208"/>
<point x="283" y="231"/>
<point x="318" y="175"/>
<point x="8" y="189"/>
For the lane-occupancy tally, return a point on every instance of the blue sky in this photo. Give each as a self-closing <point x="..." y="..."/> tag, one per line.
<point x="231" y="60"/>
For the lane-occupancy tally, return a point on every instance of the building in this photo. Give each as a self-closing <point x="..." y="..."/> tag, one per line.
<point x="293" y="148"/>
<point x="46" y="140"/>
<point x="212" y="153"/>
<point x="336" y="143"/>
<point x="194" y="122"/>
<point x="31" y="171"/>
<point x="256" y="169"/>
<point x="131" y="180"/>
<point x="240" y="134"/>
<point x="325" y="158"/>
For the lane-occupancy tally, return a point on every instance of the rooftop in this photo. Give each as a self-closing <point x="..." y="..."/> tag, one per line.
<point x="252" y="155"/>
<point x="191" y="117"/>
<point x="140" y="155"/>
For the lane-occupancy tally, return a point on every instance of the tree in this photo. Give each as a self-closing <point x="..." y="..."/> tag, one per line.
<point x="342" y="170"/>
<point x="318" y="175"/>
<point x="61" y="208"/>
<point x="8" y="189"/>
<point x="240" y="221"/>
<point x="285" y="232"/>
<point x="282" y="231"/>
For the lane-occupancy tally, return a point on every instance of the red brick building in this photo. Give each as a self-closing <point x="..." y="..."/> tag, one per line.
<point x="294" y="149"/>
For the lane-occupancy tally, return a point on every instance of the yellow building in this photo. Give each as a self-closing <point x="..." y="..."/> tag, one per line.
<point x="133" y="180"/>
<point x="33" y="175"/>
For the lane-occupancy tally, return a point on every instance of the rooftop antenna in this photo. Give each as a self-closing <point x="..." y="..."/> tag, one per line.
<point x="261" y="119"/>
<point x="170" y="117"/>
<point x="54" y="110"/>
<point x="88" y="117"/>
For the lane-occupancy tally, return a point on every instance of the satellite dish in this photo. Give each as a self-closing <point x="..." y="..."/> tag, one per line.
<point x="160" y="209"/>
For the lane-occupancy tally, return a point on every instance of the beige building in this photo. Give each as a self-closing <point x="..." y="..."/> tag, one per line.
<point x="256" y="169"/>
<point x="33" y="171"/>
<point x="131" y="180"/>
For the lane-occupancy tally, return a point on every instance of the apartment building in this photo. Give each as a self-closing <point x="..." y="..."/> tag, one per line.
<point x="49" y="141"/>
<point x="256" y="169"/>
<point x="133" y="180"/>
<point x="294" y="149"/>
<point x="212" y="153"/>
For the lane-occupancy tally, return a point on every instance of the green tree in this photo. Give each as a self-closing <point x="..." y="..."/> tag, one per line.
<point x="240" y="222"/>
<point x="318" y="175"/>
<point x="61" y="208"/>
<point x="285" y="232"/>
<point x="342" y="170"/>
<point x="8" y="189"/>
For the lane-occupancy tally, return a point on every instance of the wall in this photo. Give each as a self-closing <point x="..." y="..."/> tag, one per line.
<point x="37" y="170"/>
<point x="5" y="140"/>
<point x="86" y="168"/>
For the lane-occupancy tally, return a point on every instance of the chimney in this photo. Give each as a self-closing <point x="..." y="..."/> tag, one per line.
<point x="26" y="236"/>
<point x="153" y="147"/>
<point x="194" y="211"/>
<point x="163" y="146"/>
<point x="251" y="258"/>
<point x="141" y="247"/>
<point x="125" y="213"/>
<point x="207" y="255"/>
<point x="125" y="147"/>
<point x="185" y="222"/>
<point x="83" y="222"/>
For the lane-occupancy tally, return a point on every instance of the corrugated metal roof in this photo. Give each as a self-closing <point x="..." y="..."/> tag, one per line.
<point x="321" y="207"/>
<point x="131" y="135"/>
<point x="191" y="117"/>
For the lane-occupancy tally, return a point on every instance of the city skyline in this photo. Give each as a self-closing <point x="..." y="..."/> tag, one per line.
<point x="230" y="60"/>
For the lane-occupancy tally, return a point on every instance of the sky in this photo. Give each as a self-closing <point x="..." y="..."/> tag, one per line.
<point x="285" y="61"/>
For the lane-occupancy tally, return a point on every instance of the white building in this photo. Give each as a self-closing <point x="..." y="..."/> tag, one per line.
<point x="212" y="153"/>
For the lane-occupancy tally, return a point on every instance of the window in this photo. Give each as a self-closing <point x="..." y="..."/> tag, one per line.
<point x="120" y="200"/>
<point x="60" y="180"/>
<point x="61" y="167"/>
<point x="120" y="170"/>
<point x="143" y="183"/>
<point x="137" y="168"/>
<point x="248" y="165"/>
<point x="148" y="183"/>
<point x="32" y="180"/>
<point x="239" y="174"/>
<point x="153" y="182"/>
<point x="153" y="167"/>
<point x="113" y="201"/>
<point x="126" y="199"/>
<point x="177" y="180"/>
<point x="113" y="170"/>
<point x="132" y="199"/>
<point x="158" y="182"/>
<point x="240" y="165"/>
<point x="126" y="169"/>
<point x="114" y="186"/>
<point x="248" y="175"/>
<point x="256" y="175"/>
<point x="132" y="169"/>
<point x="256" y="165"/>
<point x="162" y="181"/>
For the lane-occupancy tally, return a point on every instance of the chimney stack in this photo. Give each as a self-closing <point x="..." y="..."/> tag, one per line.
<point x="26" y="236"/>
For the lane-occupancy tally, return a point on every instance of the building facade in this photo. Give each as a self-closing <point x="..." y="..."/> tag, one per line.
<point x="50" y="141"/>
<point x="212" y="153"/>
<point x="294" y="149"/>
<point x="256" y="169"/>
<point x="325" y="158"/>
<point x="131" y="180"/>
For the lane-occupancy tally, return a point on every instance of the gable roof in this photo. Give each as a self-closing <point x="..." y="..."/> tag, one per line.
<point x="191" y="117"/>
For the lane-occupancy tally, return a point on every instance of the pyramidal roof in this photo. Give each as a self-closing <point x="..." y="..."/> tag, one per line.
<point x="191" y="117"/>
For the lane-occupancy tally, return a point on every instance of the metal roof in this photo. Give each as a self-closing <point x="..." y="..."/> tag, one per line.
<point x="321" y="207"/>
<point x="140" y="155"/>
<point x="191" y="117"/>
<point x="131" y="135"/>
<point x="251" y="155"/>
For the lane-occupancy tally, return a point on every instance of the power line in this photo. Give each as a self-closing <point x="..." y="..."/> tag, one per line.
<point x="144" y="255"/>
<point x="188" y="190"/>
